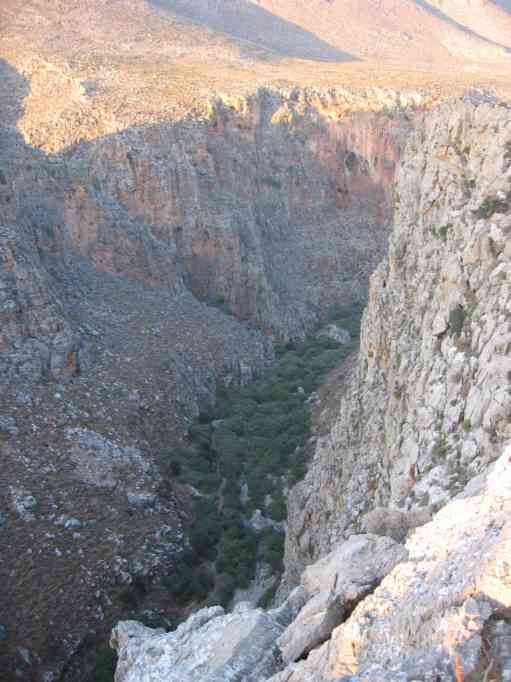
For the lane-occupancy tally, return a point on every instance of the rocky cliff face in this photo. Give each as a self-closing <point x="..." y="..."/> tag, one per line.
<point x="275" y="206"/>
<point x="428" y="405"/>
<point x="272" y="207"/>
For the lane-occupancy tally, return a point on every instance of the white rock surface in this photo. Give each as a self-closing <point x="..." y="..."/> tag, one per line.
<point x="433" y="610"/>
<point x="210" y="646"/>
<point x="338" y="582"/>
<point x="354" y="566"/>
<point x="428" y="405"/>
<point x="337" y="334"/>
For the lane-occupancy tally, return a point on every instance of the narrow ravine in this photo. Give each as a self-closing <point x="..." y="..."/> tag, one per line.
<point x="238" y="462"/>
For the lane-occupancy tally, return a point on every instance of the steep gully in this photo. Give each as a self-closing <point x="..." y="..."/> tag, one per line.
<point x="140" y="272"/>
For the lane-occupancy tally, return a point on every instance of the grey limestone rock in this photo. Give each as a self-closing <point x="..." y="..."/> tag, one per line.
<point x="394" y="523"/>
<point x="288" y="611"/>
<point x="354" y="566"/>
<point x="338" y="582"/>
<point x="337" y="334"/>
<point x="23" y="503"/>
<point x="312" y="626"/>
<point x="103" y="463"/>
<point x="8" y="426"/>
<point x="210" y="647"/>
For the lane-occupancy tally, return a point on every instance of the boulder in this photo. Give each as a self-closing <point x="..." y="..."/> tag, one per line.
<point x="354" y="567"/>
<point x="394" y="523"/>
<point x="210" y="646"/>
<point x="23" y="503"/>
<point x="291" y="607"/>
<point x="8" y="426"/>
<point x="338" y="582"/>
<point x="312" y="627"/>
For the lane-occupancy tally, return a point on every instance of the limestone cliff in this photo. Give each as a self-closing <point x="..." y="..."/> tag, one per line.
<point x="274" y="205"/>
<point x="428" y="405"/>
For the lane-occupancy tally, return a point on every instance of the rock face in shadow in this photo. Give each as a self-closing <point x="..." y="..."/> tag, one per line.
<point x="274" y="207"/>
<point x="36" y="339"/>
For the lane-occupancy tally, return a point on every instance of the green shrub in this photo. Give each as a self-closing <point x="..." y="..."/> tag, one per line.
<point x="278" y="507"/>
<point x="347" y="317"/>
<point x="272" y="549"/>
<point x="440" y="449"/>
<point x="271" y="181"/>
<point x="237" y="553"/>
<point x="493" y="205"/>
<point x="104" y="665"/>
<point x="266" y="600"/>
<point x="444" y="231"/>
<point x="457" y="320"/>
<point x="188" y="582"/>
<point x="224" y="590"/>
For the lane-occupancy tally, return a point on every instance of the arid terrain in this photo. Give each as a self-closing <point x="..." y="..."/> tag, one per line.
<point x="184" y="185"/>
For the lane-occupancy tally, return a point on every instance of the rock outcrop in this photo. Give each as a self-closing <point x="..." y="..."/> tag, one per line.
<point x="440" y="610"/>
<point x="336" y="584"/>
<point x="211" y="645"/>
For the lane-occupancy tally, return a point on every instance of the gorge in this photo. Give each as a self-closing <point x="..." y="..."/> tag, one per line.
<point x="429" y="401"/>
<point x="175" y="230"/>
<point x="201" y="235"/>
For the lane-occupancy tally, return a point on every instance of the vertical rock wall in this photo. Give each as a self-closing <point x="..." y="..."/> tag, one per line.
<point x="428" y="406"/>
<point x="275" y="206"/>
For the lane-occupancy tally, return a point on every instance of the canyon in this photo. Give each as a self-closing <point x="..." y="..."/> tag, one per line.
<point x="398" y="538"/>
<point x="140" y="273"/>
<point x="184" y="190"/>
